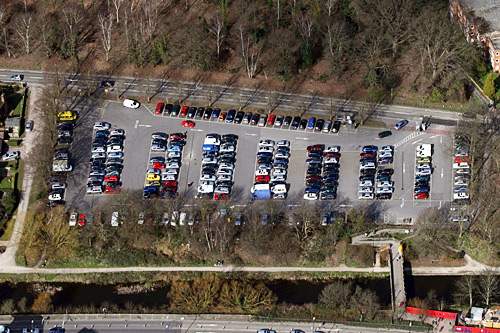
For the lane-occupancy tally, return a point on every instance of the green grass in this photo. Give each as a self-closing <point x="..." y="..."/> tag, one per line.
<point x="20" y="176"/>
<point x="7" y="183"/>
<point x="14" y="143"/>
<point x="8" y="229"/>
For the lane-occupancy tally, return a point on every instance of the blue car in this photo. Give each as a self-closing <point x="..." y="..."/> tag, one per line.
<point x="400" y="124"/>
<point x="421" y="189"/>
<point x="369" y="149"/>
<point x="310" y="123"/>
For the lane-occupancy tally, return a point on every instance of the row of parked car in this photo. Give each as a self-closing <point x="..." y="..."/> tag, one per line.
<point x="164" y="166"/>
<point x="461" y="170"/>
<point x="374" y="179"/>
<point x="249" y="118"/>
<point x="217" y="166"/>
<point x="423" y="171"/>
<point x="271" y="170"/>
<point x="106" y="160"/>
<point x="322" y="172"/>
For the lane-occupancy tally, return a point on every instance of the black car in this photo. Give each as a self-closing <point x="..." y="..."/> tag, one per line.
<point x="239" y="117"/>
<point x="176" y="108"/>
<point x="383" y="196"/>
<point x="384" y="134"/>
<point x="168" y="109"/>
<point x="327" y="195"/>
<point x="278" y="160"/>
<point x="279" y="121"/>
<point x="329" y="182"/>
<point x="206" y="114"/>
<point x="295" y="123"/>
<point x="208" y="171"/>
<point x="191" y="112"/>
<point x="247" y="118"/>
<point x="228" y="155"/>
<point x="264" y="159"/>
<point x="336" y="126"/>
<point x="303" y="124"/>
<point x="370" y="178"/>
<point x="319" y="125"/>
<point x="65" y="126"/>
<point x="331" y="177"/>
<point x="264" y="153"/>
<point x="199" y="113"/>
<point x="214" y="113"/>
<point x="230" y="116"/>
<point x="64" y="140"/>
<point x="286" y="122"/>
<point x="232" y="138"/>
<point x="255" y="119"/>
<point x="367" y="172"/>
<point x="385" y="172"/>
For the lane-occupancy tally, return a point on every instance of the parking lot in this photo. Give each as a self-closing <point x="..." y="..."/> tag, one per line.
<point x="140" y="123"/>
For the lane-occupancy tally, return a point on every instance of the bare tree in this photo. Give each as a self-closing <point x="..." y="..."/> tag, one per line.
<point x="23" y="30"/>
<point x="465" y="287"/>
<point x="330" y="6"/>
<point x="217" y="29"/>
<point x="489" y="286"/>
<point x="117" y="4"/>
<point x="336" y="44"/>
<point x="250" y="53"/>
<point x="73" y="19"/>
<point x="3" y="12"/>
<point x="106" y="24"/>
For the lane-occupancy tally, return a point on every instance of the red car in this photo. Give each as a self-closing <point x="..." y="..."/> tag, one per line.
<point x="222" y="116"/>
<point x="461" y="159"/>
<point x="188" y="123"/>
<point x="171" y="184"/>
<point x="271" y="119"/>
<point x="421" y="195"/>
<point x="158" y="165"/>
<point x="111" y="178"/>
<point x="316" y="148"/>
<point x="177" y="137"/>
<point x="221" y="196"/>
<point x="262" y="179"/>
<point x="159" y="107"/>
<point x="82" y="220"/>
<point x="112" y="188"/>
<point x="184" y="111"/>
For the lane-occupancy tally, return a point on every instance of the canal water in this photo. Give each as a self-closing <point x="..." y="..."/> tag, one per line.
<point x="296" y="292"/>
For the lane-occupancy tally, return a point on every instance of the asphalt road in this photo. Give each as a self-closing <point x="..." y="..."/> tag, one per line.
<point x="178" y="324"/>
<point x="139" y="124"/>
<point x="230" y="95"/>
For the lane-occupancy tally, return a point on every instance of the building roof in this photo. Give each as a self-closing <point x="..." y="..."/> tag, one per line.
<point x="487" y="9"/>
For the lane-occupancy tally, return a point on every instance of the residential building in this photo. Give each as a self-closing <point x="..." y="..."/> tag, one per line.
<point x="480" y="21"/>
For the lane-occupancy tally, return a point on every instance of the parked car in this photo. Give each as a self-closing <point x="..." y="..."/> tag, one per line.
<point x="131" y="104"/>
<point x="400" y="124"/>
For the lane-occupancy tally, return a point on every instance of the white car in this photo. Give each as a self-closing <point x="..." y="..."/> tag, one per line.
<point x="278" y="172"/>
<point x="387" y="148"/>
<point x="209" y="160"/>
<point x="384" y="154"/>
<point x="282" y="154"/>
<point x="266" y="143"/>
<point x="365" y="196"/>
<point x="17" y="77"/>
<point x="283" y="143"/>
<point x="279" y="189"/>
<point x="130" y="103"/>
<point x="226" y="166"/>
<point x="102" y="126"/>
<point x="171" y="171"/>
<point x="365" y="189"/>
<point x="278" y="178"/>
<point x="330" y="160"/>
<point x="261" y="172"/>
<point x="461" y="165"/>
<point x="385" y="183"/>
<point x="424" y="166"/>
<point x="114" y="148"/>
<point x="460" y="195"/>
<point x="58" y="186"/>
<point x="72" y="219"/>
<point x="384" y="190"/>
<point x="460" y="181"/>
<point x="209" y="178"/>
<point x="115" y="221"/>
<point x="265" y="149"/>
<point x="310" y="196"/>
<point x="98" y="155"/>
<point x="94" y="189"/>
<point x="366" y="183"/>
<point x="56" y="196"/>
<point x="332" y="149"/>
<point x="10" y="156"/>
<point x="174" y="154"/>
<point x="172" y="165"/>
<point x="165" y="176"/>
<point x="206" y="188"/>
<point x="98" y="149"/>
<point x="228" y="172"/>
<point x="224" y="178"/>
<point x="222" y="189"/>
<point x="423" y="172"/>
<point x="117" y="132"/>
<point x="115" y="154"/>
<point x="227" y="148"/>
<point x="367" y="165"/>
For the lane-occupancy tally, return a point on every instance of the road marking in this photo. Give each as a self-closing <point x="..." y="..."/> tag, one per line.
<point x="251" y="134"/>
<point x="442" y="172"/>
<point x="144" y="125"/>
<point x="300" y="138"/>
<point x="440" y="203"/>
<point x="441" y="139"/>
<point x="402" y="203"/>
<point x="208" y="325"/>
<point x="197" y="130"/>
<point x="433" y="136"/>
<point x="417" y="141"/>
<point x="404" y="167"/>
<point x="136" y="123"/>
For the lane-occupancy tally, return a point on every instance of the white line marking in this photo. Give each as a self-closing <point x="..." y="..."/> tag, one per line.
<point x="136" y="123"/>
<point x="440" y="203"/>
<point x="143" y="125"/>
<point x="442" y="172"/>
<point x="251" y="134"/>
<point x="300" y="138"/>
<point x="402" y="203"/>
<point x="417" y="141"/>
<point x="197" y="130"/>
<point x="441" y="139"/>
<point x="404" y="167"/>
<point x="433" y="136"/>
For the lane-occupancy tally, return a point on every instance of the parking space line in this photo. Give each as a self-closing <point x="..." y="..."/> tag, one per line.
<point x="136" y="123"/>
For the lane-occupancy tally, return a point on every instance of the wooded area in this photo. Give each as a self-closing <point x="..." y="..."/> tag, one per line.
<point x="383" y="47"/>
